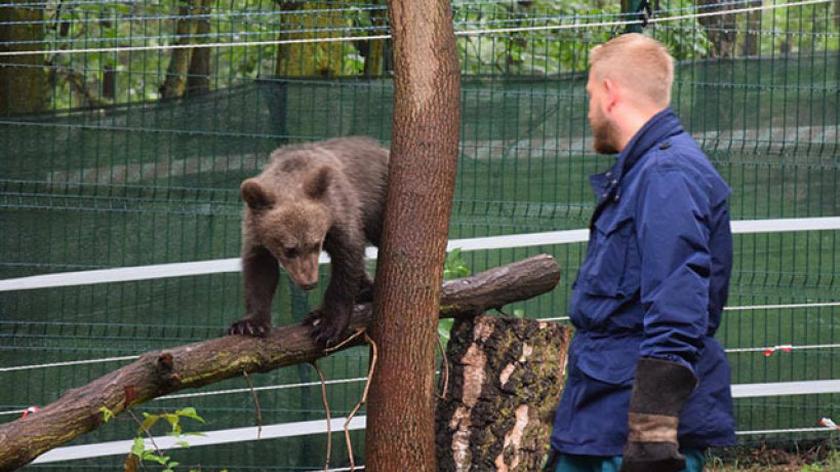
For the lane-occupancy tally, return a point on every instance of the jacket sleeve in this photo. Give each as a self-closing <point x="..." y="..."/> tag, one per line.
<point x="673" y="236"/>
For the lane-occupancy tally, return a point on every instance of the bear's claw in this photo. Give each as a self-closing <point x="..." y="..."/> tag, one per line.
<point x="248" y="326"/>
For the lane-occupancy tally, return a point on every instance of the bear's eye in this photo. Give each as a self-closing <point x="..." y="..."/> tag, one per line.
<point x="290" y="252"/>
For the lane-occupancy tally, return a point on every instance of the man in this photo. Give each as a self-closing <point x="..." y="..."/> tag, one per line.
<point x="647" y="385"/>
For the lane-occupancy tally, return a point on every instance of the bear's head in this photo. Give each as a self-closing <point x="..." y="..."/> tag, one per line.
<point x="291" y="223"/>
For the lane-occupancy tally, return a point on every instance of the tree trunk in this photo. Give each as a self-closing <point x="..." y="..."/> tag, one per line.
<point x="179" y="63"/>
<point x="198" y="76"/>
<point x="319" y="59"/>
<point x="194" y="365"/>
<point x="23" y="80"/>
<point x="375" y="53"/>
<point x="837" y="13"/>
<point x="505" y="380"/>
<point x="721" y="30"/>
<point x="421" y="182"/>
<point x="751" y="36"/>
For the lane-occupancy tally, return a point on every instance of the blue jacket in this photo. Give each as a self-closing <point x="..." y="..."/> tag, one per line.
<point x="653" y="284"/>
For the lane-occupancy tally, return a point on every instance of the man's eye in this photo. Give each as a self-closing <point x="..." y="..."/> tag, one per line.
<point x="290" y="252"/>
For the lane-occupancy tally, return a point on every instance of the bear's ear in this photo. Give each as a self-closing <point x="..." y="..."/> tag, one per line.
<point x="255" y="195"/>
<point x="316" y="185"/>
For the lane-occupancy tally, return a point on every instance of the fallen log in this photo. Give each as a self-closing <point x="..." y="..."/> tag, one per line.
<point x="159" y="373"/>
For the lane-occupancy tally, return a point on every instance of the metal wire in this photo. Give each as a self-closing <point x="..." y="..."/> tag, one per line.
<point x="462" y="33"/>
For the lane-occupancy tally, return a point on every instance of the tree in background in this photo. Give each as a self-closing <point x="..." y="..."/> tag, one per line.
<point x="720" y="29"/>
<point x="307" y="20"/>
<point x="182" y="62"/>
<point x="198" y="75"/>
<point x="421" y="182"/>
<point x="23" y="80"/>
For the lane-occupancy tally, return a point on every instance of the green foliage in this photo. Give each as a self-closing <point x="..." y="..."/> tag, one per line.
<point x="146" y="454"/>
<point x="107" y="414"/>
<point x="454" y="266"/>
<point x="139" y="74"/>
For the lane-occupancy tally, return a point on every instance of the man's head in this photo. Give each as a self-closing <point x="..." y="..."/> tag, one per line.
<point x="629" y="81"/>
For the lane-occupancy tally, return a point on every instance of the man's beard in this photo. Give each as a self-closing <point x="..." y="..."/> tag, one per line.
<point x="605" y="134"/>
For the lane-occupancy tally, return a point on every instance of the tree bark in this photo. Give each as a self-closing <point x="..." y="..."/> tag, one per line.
<point x="199" y="364"/>
<point x="319" y="59"/>
<point x="421" y="182"/>
<point x="23" y="80"/>
<point x="198" y="76"/>
<point x="176" y="74"/>
<point x="752" y="38"/>
<point x="505" y="380"/>
<point x="721" y="30"/>
<point x="375" y="53"/>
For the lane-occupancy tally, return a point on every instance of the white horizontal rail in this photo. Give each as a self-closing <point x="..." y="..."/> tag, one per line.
<point x="209" y="438"/>
<point x="282" y="430"/>
<point x="217" y="266"/>
<point x="778" y="389"/>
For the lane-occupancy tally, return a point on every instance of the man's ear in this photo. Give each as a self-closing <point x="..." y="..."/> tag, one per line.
<point x="255" y="195"/>
<point x="611" y="94"/>
<point x="316" y="185"/>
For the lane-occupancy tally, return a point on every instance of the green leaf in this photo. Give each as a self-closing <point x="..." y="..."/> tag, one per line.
<point x="154" y="457"/>
<point x="454" y="267"/>
<point x="107" y="414"/>
<point x="445" y="330"/>
<point x="182" y="443"/>
<point x="150" y="421"/>
<point x="174" y="421"/>
<point x="138" y="447"/>
<point x="189" y="412"/>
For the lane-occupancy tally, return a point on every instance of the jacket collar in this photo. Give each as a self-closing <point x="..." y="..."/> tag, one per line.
<point x="659" y="128"/>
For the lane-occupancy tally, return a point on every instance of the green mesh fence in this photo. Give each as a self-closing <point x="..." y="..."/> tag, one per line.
<point x="106" y="172"/>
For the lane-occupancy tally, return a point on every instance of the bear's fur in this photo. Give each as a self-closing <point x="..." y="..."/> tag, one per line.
<point x="324" y="195"/>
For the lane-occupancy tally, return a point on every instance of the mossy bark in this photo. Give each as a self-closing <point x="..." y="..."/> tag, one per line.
<point x="505" y="380"/>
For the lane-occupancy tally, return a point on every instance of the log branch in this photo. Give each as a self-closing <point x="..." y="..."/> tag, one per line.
<point x="194" y="365"/>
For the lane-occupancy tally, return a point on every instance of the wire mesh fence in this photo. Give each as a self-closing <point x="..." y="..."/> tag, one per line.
<point x="126" y="127"/>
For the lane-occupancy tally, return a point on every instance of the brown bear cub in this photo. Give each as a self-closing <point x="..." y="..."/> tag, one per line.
<point x="324" y="195"/>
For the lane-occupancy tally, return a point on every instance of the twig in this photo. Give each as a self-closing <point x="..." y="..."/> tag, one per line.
<point x="327" y="410"/>
<point x="371" y="372"/>
<point x="256" y="403"/>
<point x="148" y="433"/>
<point x="343" y="343"/>
<point x="445" y="363"/>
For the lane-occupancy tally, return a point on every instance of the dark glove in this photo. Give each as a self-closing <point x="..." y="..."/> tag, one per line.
<point x="660" y="390"/>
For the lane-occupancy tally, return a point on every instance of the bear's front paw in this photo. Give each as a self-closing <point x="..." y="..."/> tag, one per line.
<point x="251" y="326"/>
<point x="327" y="330"/>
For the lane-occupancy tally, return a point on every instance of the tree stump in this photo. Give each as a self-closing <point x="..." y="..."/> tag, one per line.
<point x="505" y="380"/>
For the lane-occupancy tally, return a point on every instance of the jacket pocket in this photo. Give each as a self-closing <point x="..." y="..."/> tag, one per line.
<point x="610" y="359"/>
<point x="613" y="268"/>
